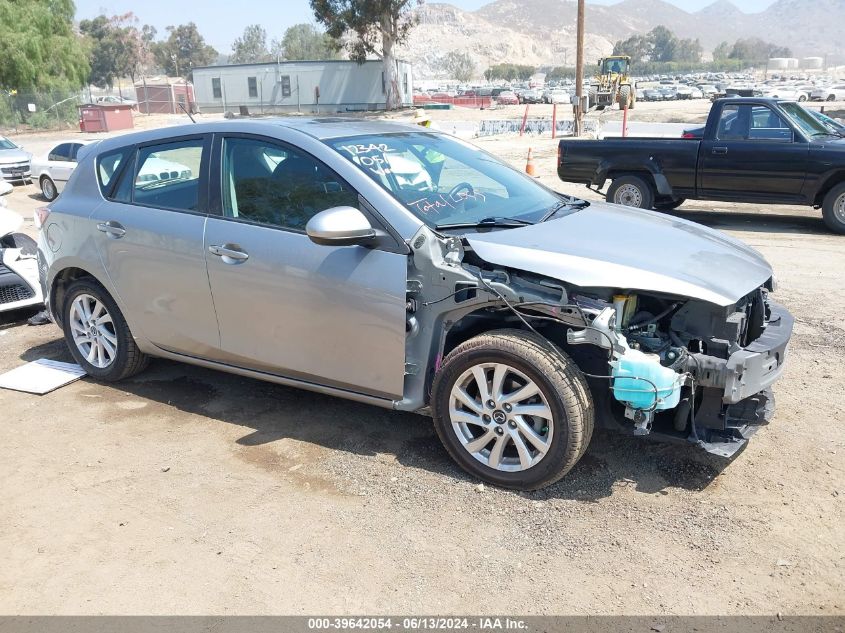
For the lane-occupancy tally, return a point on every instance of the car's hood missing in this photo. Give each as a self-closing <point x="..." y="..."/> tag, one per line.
<point x="609" y="246"/>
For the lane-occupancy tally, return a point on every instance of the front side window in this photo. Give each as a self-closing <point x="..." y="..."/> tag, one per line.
<point x="732" y="127"/>
<point x="443" y="180"/>
<point x="767" y="125"/>
<point x="216" y="89"/>
<point x="252" y="85"/>
<point x="168" y="175"/>
<point x="271" y="184"/>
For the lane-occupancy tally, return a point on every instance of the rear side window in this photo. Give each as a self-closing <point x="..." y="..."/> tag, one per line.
<point x="167" y="175"/>
<point x="731" y="125"/>
<point x="60" y="152"/>
<point x="108" y="168"/>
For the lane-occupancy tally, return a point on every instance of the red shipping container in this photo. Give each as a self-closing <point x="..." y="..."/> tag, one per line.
<point x="105" y="117"/>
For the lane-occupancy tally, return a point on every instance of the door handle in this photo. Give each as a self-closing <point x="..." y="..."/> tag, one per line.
<point x="112" y="229"/>
<point x="720" y="150"/>
<point x="230" y="253"/>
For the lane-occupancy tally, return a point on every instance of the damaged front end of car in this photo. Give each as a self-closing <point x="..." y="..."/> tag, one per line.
<point x="658" y="363"/>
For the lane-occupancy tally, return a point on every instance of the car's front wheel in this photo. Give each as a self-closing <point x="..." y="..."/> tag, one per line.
<point x="512" y="409"/>
<point x="631" y="191"/>
<point x="48" y="188"/>
<point x="98" y="335"/>
<point x="833" y="209"/>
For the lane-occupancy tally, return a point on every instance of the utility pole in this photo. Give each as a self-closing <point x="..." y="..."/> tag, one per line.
<point x="578" y="110"/>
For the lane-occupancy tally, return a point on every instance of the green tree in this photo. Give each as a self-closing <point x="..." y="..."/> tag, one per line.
<point x="459" y="65"/>
<point x="722" y="51"/>
<point x="116" y="48"/>
<point x="638" y="47"/>
<point x="664" y="44"/>
<point x="38" y="46"/>
<point x="688" y="51"/>
<point x="304" y="41"/>
<point x="377" y="27"/>
<point x="183" y="50"/>
<point x="755" y="50"/>
<point x="251" y="47"/>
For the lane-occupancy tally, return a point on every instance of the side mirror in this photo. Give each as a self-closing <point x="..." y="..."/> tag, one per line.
<point x="340" y="226"/>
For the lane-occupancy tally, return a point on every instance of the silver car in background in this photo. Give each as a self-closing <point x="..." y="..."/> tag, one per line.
<point x="401" y="267"/>
<point x="14" y="161"/>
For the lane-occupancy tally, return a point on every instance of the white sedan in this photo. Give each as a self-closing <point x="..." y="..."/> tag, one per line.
<point x="52" y="172"/>
<point x="786" y="92"/>
<point x="829" y="93"/>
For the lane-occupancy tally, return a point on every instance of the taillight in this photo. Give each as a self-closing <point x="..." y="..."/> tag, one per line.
<point x="40" y="217"/>
<point x="687" y="135"/>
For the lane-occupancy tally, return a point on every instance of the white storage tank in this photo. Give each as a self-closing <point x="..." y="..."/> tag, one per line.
<point x="778" y="63"/>
<point x="813" y="63"/>
<point x="792" y="62"/>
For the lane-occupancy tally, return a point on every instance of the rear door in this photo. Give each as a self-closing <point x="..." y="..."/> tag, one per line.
<point x="60" y="164"/>
<point x="331" y="315"/>
<point x="755" y="155"/>
<point x="149" y="233"/>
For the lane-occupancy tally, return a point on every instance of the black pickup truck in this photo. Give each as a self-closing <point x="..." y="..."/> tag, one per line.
<point x="752" y="150"/>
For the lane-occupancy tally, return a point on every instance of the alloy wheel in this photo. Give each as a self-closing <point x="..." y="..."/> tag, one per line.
<point x="501" y="417"/>
<point x="93" y="331"/>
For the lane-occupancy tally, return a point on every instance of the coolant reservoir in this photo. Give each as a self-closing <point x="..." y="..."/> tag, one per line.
<point x="640" y="394"/>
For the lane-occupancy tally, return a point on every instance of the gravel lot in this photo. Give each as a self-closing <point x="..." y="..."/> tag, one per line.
<point x="190" y="491"/>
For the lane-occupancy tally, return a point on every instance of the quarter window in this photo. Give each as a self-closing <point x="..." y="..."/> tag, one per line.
<point x="108" y="167"/>
<point x="168" y="175"/>
<point x="270" y="184"/>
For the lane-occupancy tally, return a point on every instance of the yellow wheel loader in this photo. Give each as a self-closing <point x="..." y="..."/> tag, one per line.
<point x="613" y="84"/>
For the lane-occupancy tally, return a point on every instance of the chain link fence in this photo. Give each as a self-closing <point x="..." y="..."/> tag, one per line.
<point x="48" y="110"/>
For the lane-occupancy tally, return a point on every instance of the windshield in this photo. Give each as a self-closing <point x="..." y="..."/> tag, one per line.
<point x="7" y="144"/>
<point x="614" y="66"/>
<point x="804" y="121"/>
<point x="443" y="180"/>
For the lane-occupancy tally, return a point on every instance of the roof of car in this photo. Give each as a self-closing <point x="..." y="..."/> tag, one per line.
<point x="320" y="128"/>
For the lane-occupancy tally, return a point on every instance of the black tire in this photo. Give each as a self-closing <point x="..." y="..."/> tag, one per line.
<point x="624" y="97"/>
<point x="668" y="205"/>
<point x="48" y="188"/>
<point x="636" y="189"/>
<point x="833" y="209"/>
<point x="128" y="360"/>
<point x="802" y="98"/>
<point x="561" y="383"/>
<point x="27" y="245"/>
<point x="831" y="98"/>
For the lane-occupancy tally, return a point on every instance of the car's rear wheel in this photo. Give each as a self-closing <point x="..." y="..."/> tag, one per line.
<point x="631" y="191"/>
<point x="98" y="335"/>
<point x="831" y="97"/>
<point x="802" y="98"/>
<point x="48" y="188"/>
<point x="512" y="409"/>
<point x="833" y="209"/>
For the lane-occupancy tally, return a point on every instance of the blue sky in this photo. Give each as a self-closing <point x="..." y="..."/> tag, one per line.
<point x="220" y="23"/>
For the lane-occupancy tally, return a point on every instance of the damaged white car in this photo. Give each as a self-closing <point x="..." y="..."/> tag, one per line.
<point x="19" y="286"/>
<point x="407" y="269"/>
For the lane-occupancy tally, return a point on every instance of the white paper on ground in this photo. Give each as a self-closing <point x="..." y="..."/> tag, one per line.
<point x="41" y="376"/>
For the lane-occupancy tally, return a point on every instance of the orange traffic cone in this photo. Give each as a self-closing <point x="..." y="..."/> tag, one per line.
<point x="529" y="166"/>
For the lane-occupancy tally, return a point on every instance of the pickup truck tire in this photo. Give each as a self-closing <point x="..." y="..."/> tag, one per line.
<point x="833" y="209"/>
<point x="523" y="451"/>
<point x="631" y="191"/>
<point x="668" y="205"/>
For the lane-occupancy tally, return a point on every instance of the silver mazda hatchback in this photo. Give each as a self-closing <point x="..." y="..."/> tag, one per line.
<point x="405" y="268"/>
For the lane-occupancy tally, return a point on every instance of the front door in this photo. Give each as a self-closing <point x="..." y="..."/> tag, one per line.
<point x="755" y="155"/>
<point x="329" y="315"/>
<point x="149" y="234"/>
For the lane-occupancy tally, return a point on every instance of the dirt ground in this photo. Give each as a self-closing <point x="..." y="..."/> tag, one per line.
<point x="188" y="491"/>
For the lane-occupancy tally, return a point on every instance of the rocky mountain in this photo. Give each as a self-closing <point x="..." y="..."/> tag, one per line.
<point x="542" y="32"/>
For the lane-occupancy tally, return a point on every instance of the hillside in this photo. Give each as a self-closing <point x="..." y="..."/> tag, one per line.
<point x="542" y="32"/>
